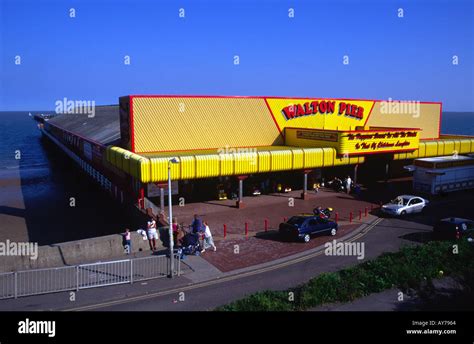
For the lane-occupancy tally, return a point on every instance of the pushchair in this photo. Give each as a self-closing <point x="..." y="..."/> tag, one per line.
<point x="190" y="244"/>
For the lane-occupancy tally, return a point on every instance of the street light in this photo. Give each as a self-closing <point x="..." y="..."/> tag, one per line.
<point x="170" y="221"/>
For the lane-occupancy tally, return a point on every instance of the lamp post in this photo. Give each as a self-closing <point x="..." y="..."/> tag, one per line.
<point x="170" y="229"/>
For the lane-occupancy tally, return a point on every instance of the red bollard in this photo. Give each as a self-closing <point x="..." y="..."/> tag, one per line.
<point x="246" y="230"/>
<point x="350" y="216"/>
<point x="360" y="214"/>
<point x="266" y="225"/>
<point x="366" y="212"/>
<point x="225" y="230"/>
<point x="336" y="217"/>
<point x="284" y="219"/>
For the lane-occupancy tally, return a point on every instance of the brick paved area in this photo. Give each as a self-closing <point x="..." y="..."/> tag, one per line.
<point x="260" y="247"/>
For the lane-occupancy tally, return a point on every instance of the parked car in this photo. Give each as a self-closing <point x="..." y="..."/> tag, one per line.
<point x="453" y="228"/>
<point x="301" y="227"/>
<point x="405" y="204"/>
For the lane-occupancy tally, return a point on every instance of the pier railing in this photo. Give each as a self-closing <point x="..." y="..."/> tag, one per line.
<point x="70" y="278"/>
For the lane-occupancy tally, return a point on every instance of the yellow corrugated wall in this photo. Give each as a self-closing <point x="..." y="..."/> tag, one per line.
<point x="190" y="123"/>
<point x="465" y="146"/>
<point x="213" y="165"/>
<point x="298" y="159"/>
<point x="440" y="148"/>
<point x="207" y="166"/>
<point x="280" y="160"/>
<point x="428" y="119"/>
<point x="188" y="167"/>
<point x="264" y="159"/>
<point x="245" y="163"/>
<point x="227" y="164"/>
<point x="328" y="156"/>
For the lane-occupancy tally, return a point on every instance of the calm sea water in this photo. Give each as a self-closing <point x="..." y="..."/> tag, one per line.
<point x="49" y="180"/>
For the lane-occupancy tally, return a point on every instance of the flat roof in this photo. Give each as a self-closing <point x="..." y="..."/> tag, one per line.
<point x="101" y="127"/>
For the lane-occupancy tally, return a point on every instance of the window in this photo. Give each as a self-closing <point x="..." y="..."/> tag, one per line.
<point x="296" y="220"/>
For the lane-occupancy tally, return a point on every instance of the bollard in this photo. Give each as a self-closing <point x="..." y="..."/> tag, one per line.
<point x="360" y="215"/>
<point x="225" y="230"/>
<point x="284" y="219"/>
<point x="266" y="225"/>
<point x="336" y="217"/>
<point x="246" y="230"/>
<point x="350" y="216"/>
<point x="366" y="211"/>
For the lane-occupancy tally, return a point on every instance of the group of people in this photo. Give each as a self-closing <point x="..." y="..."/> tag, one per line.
<point x="202" y="229"/>
<point x="345" y="185"/>
<point x="198" y="228"/>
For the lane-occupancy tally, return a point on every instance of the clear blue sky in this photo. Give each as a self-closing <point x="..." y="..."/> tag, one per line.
<point x="82" y="58"/>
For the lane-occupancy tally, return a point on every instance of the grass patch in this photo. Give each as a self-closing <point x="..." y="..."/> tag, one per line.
<point x="409" y="268"/>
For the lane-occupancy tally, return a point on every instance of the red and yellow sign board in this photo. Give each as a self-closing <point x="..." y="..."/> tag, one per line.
<point x="332" y="114"/>
<point x="355" y="142"/>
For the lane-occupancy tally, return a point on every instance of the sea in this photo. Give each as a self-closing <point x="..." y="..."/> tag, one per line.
<point x="60" y="202"/>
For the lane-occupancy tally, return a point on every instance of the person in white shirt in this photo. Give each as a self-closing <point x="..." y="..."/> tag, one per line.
<point x="348" y="184"/>
<point x="152" y="234"/>
<point x="208" y="241"/>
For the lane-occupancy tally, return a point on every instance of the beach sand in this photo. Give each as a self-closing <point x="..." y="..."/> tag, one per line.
<point x="12" y="208"/>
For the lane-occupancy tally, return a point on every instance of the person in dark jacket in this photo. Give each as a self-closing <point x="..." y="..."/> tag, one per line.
<point x="197" y="226"/>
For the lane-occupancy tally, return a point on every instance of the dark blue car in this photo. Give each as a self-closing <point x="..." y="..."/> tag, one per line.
<point x="303" y="226"/>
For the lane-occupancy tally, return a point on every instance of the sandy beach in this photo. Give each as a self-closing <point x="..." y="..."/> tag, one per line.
<point x="12" y="207"/>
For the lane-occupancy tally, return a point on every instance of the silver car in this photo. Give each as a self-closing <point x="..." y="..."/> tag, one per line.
<point x="405" y="204"/>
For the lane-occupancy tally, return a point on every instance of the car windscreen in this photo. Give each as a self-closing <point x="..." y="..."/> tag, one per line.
<point x="295" y="220"/>
<point x="400" y="201"/>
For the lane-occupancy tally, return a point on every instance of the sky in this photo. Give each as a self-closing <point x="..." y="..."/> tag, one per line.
<point x="82" y="57"/>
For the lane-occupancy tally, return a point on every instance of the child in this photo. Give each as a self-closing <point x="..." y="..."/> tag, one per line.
<point x="127" y="240"/>
<point x="208" y="241"/>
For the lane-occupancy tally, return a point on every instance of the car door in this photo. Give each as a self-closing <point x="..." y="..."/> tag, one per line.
<point x="410" y="206"/>
<point x="311" y="226"/>
<point x="322" y="224"/>
<point x="419" y="205"/>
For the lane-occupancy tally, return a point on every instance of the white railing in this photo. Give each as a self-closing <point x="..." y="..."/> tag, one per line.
<point x="52" y="280"/>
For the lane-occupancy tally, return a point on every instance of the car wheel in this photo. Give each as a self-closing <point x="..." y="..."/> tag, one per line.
<point x="403" y="213"/>
<point x="306" y="238"/>
<point x="333" y="231"/>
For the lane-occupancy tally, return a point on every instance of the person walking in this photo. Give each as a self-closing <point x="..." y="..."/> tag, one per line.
<point x="196" y="225"/>
<point x="208" y="241"/>
<point x="175" y="227"/>
<point x="152" y="233"/>
<point x="348" y="184"/>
